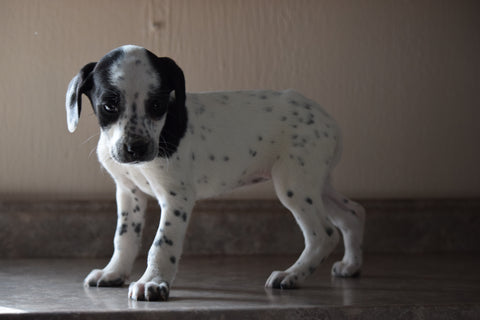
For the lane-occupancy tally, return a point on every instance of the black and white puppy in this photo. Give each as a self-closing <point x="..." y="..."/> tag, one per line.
<point x="157" y="140"/>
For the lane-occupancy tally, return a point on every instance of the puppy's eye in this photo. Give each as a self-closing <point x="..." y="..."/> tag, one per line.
<point x="156" y="110"/>
<point x="110" y="108"/>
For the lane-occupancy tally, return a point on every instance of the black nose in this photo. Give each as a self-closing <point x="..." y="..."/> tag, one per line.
<point x="136" y="149"/>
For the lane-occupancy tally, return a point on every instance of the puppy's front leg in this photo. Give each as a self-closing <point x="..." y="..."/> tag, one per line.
<point x="131" y="205"/>
<point x="166" y="250"/>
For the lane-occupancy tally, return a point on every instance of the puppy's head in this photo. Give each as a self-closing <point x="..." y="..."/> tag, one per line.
<point x="136" y="97"/>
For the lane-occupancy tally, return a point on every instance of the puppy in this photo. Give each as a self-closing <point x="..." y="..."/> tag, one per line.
<point x="158" y="141"/>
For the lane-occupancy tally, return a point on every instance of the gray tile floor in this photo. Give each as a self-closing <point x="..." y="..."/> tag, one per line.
<point x="231" y="287"/>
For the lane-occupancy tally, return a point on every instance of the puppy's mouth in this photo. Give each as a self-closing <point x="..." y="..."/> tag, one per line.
<point x="134" y="151"/>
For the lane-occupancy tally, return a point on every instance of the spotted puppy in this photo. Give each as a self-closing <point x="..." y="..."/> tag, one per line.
<point x="157" y="140"/>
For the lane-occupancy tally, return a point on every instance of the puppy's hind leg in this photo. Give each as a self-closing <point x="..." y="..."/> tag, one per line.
<point x="302" y="196"/>
<point x="349" y="217"/>
<point x="131" y="205"/>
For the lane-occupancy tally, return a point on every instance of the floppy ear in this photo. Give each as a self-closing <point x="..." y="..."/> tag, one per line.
<point x="176" y="119"/>
<point x="176" y="79"/>
<point x="73" y="99"/>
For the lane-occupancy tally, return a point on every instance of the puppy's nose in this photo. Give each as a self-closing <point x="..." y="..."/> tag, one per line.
<point x="136" y="149"/>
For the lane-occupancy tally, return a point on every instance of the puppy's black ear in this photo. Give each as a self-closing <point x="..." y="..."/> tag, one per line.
<point x="175" y="78"/>
<point x="73" y="100"/>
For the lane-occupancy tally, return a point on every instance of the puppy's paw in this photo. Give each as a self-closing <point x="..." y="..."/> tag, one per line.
<point x="345" y="270"/>
<point x="282" y="280"/>
<point x="103" y="278"/>
<point x="155" y="290"/>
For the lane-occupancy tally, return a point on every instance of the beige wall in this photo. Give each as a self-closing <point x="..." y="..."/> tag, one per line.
<point x="401" y="77"/>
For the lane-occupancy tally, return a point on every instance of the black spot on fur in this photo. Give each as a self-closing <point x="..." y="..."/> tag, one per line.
<point x="173" y="260"/>
<point x="167" y="241"/>
<point x="200" y="110"/>
<point x="173" y="193"/>
<point x="329" y="231"/>
<point x="138" y="228"/>
<point x="289" y="194"/>
<point x="203" y="180"/>
<point x="301" y="162"/>
<point x="123" y="229"/>
<point x="308" y="200"/>
<point x="180" y="214"/>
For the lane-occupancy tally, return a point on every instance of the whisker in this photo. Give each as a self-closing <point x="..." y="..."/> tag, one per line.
<point x="91" y="152"/>
<point x="90" y="138"/>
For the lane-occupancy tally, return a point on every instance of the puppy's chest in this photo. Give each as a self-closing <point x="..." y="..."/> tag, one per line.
<point x="139" y="179"/>
<point x="156" y="177"/>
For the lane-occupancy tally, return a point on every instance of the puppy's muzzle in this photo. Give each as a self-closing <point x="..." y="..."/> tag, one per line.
<point x="134" y="149"/>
